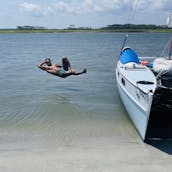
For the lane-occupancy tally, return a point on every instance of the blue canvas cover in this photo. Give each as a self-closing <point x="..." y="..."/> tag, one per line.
<point x="128" y="55"/>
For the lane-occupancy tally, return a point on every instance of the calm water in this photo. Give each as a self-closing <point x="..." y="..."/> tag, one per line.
<point x="38" y="110"/>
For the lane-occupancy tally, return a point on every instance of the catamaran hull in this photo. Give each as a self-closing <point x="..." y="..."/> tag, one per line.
<point x="138" y="116"/>
<point x="146" y="97"/>
<point x="157" y="124"/>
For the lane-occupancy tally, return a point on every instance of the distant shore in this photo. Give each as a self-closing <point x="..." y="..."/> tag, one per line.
<point x="82" y="30"/>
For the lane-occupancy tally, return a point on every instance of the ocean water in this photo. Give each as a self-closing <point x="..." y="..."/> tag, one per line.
<point x="39" y="111"/>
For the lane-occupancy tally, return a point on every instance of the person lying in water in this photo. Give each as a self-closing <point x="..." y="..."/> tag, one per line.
<point x="62" y="71"/>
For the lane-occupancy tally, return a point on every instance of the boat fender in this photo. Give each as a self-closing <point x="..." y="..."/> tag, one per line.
<point x="144" y="63"/>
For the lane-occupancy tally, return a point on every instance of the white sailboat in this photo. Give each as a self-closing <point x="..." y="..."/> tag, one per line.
<point x="146" y="94"/>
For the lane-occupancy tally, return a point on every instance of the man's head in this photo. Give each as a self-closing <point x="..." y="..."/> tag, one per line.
<point x="48" y="61"/>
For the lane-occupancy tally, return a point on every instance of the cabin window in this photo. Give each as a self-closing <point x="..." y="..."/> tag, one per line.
<point x="123" y="81"/>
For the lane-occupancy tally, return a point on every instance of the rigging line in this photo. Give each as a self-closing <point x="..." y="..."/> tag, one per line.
<point x="166" y="47"/>
<point x="132" y="12"/>
<point x="130" y="20"/>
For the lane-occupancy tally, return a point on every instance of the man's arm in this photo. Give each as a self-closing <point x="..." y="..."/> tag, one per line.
<point x="46" y="68"/>
<point x="41" y="65"/>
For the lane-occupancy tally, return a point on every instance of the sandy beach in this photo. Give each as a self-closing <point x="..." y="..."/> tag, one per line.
<point x="98" y="154"/>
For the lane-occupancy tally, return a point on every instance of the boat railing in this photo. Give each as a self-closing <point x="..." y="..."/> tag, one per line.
<point x="164" y="77"/>
<point x="144" y="83"/>
<point x="162" y="72"/>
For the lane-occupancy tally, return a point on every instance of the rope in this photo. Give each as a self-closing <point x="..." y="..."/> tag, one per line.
<point x="166" y="47"/>
<point x="130" y="20"/>
<point x="132" y="12"/>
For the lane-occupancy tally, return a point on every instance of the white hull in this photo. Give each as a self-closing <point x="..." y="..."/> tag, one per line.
<point x="137" y="103"/>
<point x="146" y="97"/>
<point x="137" y="114"/>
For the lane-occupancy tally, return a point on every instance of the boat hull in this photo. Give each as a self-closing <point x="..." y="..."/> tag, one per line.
<point x="138" y="116"/>
<point x="136" y="84"/>
<point x="147" y="97"/>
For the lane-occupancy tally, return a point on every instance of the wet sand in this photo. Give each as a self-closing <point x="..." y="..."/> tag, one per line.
<point x="121" y="151"/>
<point x="100" y="154"/>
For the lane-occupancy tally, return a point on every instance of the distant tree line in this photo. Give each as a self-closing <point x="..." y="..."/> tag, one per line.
<point x="79" y="28"/>
<point x="31" y="28"/>
<point x="133" y="26"/>
<point x="115" y="27"/>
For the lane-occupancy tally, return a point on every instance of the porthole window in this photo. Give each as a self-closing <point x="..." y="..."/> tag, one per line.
<point x="123" y="81"/>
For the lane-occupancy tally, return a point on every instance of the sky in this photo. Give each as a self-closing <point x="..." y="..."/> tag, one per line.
<point x="82" y="13"/>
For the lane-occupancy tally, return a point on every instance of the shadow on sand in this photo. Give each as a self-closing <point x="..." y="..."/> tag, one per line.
<point x="164" y="145"/>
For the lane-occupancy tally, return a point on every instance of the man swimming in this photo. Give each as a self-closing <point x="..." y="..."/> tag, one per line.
<point x="62" y="71"/>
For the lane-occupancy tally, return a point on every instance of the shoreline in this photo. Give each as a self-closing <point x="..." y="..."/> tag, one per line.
<point x="84" y="30"/>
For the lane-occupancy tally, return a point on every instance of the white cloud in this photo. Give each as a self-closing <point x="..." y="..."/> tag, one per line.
<point x="95" y="6"/>
<point x="29" y="7"/>
<point x="37" y="10"/>
<point x="100" y="6"/>
<point x="49" y="11"/>
<point x="88" y="3"/>
<point x="164" y="4"/>
<point x="84" y="12"/>
<point x="61" y="5"/>
<point x="120" y="9"/>
<point x="89" y="6"/>
<point x="74" y="8"/>
<point x="153" y="6"/>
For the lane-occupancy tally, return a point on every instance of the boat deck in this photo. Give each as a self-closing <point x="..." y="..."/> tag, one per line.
<point x="140" y="76"/>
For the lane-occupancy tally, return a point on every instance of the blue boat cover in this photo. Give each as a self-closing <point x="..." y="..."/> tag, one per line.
<point x="128" y="55"/>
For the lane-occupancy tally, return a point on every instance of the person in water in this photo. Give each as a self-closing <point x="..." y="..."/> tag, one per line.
<point x="62" y="71"/>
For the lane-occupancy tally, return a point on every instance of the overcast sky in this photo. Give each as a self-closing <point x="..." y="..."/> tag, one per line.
<point x="82" y="13"/>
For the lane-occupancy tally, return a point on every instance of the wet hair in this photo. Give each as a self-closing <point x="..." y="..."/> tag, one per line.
<point x="65" y="62"/>
<point x="48" y="61"/>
